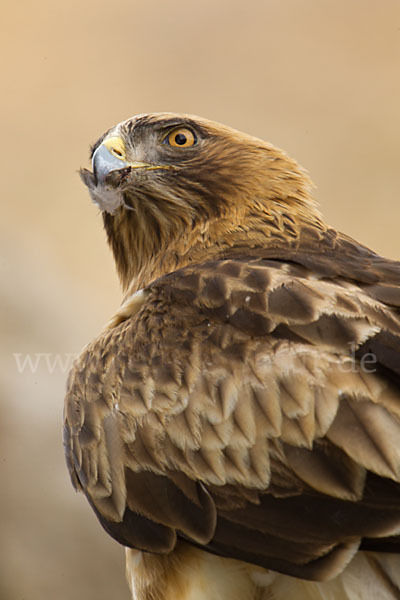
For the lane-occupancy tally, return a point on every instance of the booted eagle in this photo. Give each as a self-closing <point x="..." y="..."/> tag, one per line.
<point x="237" y="423"/>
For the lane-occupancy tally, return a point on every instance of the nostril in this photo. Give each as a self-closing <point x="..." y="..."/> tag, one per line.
<point x="117" y="152"/>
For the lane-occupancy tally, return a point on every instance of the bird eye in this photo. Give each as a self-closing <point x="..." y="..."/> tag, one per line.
<point x="182" y="137"/>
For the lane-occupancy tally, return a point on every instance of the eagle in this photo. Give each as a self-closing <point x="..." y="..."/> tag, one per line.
<point x="236" y="425"/>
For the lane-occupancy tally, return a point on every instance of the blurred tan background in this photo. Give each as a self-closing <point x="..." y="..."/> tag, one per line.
<point x="319" y="78"/>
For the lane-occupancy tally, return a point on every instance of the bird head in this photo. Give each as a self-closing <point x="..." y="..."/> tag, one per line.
<point x="169" y="185"/>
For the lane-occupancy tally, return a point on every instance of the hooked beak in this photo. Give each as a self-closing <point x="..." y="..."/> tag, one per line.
<point x="111" y="156"/>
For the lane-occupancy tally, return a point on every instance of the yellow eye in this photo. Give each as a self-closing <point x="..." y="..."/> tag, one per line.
<point x="181" y="137"/>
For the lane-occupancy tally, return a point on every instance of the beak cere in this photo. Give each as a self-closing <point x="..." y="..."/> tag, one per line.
<point x="109" y="156"/>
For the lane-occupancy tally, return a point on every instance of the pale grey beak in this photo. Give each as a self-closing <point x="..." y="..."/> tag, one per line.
<point x="104" y="162"/>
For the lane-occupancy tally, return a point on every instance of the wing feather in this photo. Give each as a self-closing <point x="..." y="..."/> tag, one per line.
<point x="232" y="407"/>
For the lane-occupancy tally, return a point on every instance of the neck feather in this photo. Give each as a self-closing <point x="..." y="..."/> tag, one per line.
<point x="147" y="245"/>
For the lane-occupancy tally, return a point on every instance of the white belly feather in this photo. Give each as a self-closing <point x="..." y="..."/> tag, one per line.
<point x="191" y="574"/>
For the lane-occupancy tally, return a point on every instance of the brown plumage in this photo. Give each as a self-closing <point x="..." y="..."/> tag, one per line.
<point x="237" y="423"/>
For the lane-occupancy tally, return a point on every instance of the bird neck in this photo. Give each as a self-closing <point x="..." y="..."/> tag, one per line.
<point x="143" y="254"/>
